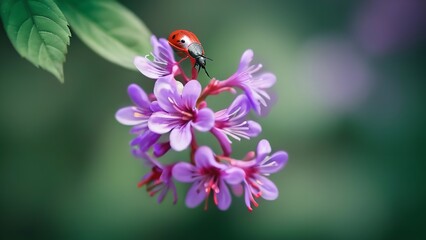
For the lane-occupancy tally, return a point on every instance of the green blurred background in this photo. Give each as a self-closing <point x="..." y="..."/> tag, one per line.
<point x="349" y="111"/>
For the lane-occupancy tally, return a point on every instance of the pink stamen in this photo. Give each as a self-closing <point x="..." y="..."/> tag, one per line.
<point x="215" y="199"/>
<point x="143" y="182"/>
<point x="254" y="202"/>
<point x="154" y="176"/>
<point x="211" y="183"/>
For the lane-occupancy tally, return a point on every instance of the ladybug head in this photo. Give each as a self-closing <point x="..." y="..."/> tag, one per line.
<point x="201" y="62"/>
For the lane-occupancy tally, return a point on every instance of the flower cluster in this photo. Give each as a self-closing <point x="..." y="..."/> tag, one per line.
<point x="168" y="118"/>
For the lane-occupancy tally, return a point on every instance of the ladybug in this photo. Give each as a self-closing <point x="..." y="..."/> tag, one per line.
<point x="186" y="44"/>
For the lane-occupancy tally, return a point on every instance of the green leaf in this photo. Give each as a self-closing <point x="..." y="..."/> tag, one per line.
<point x="39" y="32"/>
<point x="109" y="29"/>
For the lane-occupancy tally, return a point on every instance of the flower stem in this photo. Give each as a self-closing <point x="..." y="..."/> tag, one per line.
<point x="194" y="72"/>
<point x="194" y="146"/>
<point x="207" y="91"/>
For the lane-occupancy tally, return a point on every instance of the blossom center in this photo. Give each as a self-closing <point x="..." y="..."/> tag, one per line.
<point x="153" y="181"/>
<point x="252" y="180"/>
<point x="185" y="112"/>
<point x="211" y="182"/>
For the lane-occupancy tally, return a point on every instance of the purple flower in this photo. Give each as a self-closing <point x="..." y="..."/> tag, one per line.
<point x="159" y="180"/>
<point x="162" y="65"/>
<point x="207" y="176"/>
<point x="254" y="86"/>
<point x="255" y="183"/>
<point x="232" y="122"/>
<point x="137" y="116"/>
<point x="177" y="110"/>
<point x="178" y="113"/>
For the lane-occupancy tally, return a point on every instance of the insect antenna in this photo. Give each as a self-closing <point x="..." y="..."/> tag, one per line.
<point x="207" y="57"/>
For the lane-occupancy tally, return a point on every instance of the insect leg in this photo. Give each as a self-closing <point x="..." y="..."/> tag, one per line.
<point x="205" y="70"/>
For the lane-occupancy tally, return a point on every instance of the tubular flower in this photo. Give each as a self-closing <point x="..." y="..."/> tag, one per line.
<point x="207" y="176"/>
<point x="137" y="116"/>
<point x="256" y="183"/>
<point x="179" y="114"/>
<point x="163" y="63"/>
<point x="231" y="122"/>
<point x="159" y="179"/>
<point x="254" y="85"/>
<point x="169" y="119"/>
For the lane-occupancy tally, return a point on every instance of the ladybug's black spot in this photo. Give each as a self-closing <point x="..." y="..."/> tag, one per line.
<point x="182" y="41"/>
<point x="173" y="37"/>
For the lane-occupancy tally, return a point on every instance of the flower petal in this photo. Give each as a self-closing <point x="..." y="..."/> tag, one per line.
<point x="267" y="187"/>
<point x="204" y="158"/>
<point x="155" y="107"/>
<point x="147" y="67"/>
<point x="223" y="197"/>
<point x="166" y="175"/>
<point x="184" y="172"/>
<point x="204" y="120"/>
<point x="246" y="58"/>
<point x="147" y="159"/>
<point x="221" y="115"/>
<point x="254" y="128"/>
<point x="263" y="149"/>
<point x="237" y="189"/>
<point x="165" y="51"/>
<point x="190" y="94"/>
<point x="234" y="175"/>
<point x="247" y="197"/>
<point x="135" y="141"/>
<point x="128" y="117"/>
<point x="161" y="65"/>
<point x="274" y="163"/>
<point x="251" y="96"/>
<point x="138" y="96"/>
<point x="181" y="137"/>
<point x="163" y="193"/>
<point x="165" y="90"/>
<point x="140" y="128"/>
<point x="265" y="80"/>
<point x="147" y="139"/>
<point x="155" y="43"/>
<point x="195" y="195"/>
<point x="160" y="149"/>
<point x="239" y="107"/>
<point x="163" y="122"/>
<point x="271" y="101"/>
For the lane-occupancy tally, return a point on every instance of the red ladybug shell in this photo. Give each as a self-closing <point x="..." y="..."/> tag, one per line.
<point x="186" y="44"/>
<point x="180" y="41"/>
